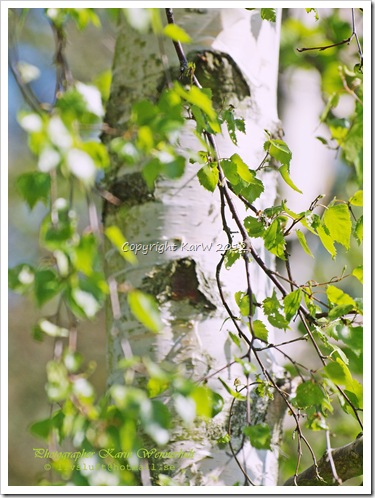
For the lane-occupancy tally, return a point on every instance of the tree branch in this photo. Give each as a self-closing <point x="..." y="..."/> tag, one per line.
<point x="348" y="462"/>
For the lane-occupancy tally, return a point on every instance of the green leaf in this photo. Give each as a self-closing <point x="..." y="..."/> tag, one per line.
<point x="259" y="434"/>
<point x="268" y="14"/>
<point x="145" y="309"/>
<point x="358" y="273"/>
<point x="155" y="419"/>
<point x="358" y="230"/>
<point x="203" y="398"/>
<point x="308" y="394"/>
<point x="324" y="235"/>
<point x="278" y="149"/>
<point x="284" y="172"/>
<point x="254" y="227"/>
<point x="357" y="198"/>
<point x="208" y="177"/>
<point x="233" y="393"/>
<point x="34" y="187"/>
<point x="242" y="169"/>
<point x="231" y="256"/>
<point x="201" y="99"/>
<point x="302" y="240"/>
<point x="114" y="234"/>
<point x="21" y="278"/>
<point x="176" y="33"/>
<point x="315" y="12"/>
<point x="291" y="303"/>
<point x="260" y="330"/>
<point x="274" y="239"/>
<point x="42" y="428"/>
<point x="235" y="339"/>
<point x="46" y="285"/>
<point x="271" y="306"/>
<point x="339" y="310"/>
<point x="337" y="219"/>
<point x="339" y="297"/>
<point x="243" y="302"/>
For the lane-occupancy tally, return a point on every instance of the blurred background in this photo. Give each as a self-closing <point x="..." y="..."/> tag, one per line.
<point x="314" y="168"/>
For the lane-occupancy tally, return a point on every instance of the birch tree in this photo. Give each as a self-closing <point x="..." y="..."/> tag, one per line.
<point x="187" y="220"/>
<point x="200" y="369"/>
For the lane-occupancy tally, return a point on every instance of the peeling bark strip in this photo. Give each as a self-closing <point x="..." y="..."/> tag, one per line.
<point x="348" y="462"/>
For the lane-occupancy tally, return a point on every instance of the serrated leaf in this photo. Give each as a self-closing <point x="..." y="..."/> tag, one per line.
<point x="339" y="310"/>
<point x="337" y="219"/>
<point x="326" y="239"/>
<point x="339" y="297"/>
<point x="268" y="14"/>
<point x="271" y="306"/>
<point x="254" y="227"/>
<point x="357" y="198"/>
<point x="259" y="435"/>
<point x="291" y="303"/>
<point x="145" y="309"/>
<point x="46" y="285"/>
<point x="242" y="300"/>
<point x="242" y="169"/>
<point x="176" y="33"/>
<point x="279" y="150"/>
<point x="260" y="330"/>
<point x="231" y="256"/>
<point x="34" y="187"/>
<point x="358" y="273"/>
<point x="284" y="172"/>
<point x="302" y="240"/>
<point x="274" y="239"/>
<point x="208" y="177"/>
<point x="308" y="394"/>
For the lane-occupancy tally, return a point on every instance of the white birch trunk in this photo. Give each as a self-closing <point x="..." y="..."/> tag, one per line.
<point x="194" y="336"/>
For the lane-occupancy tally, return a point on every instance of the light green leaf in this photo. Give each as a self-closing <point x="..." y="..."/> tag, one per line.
<point x="260" y="330"/>
<point x="176" y="33"/>
<point x="284" y="172"/>
<point x="326" y="239"/>
<point x="339" y="297"/>
<point x="358" y="273"/>
<point x="291" y="303"/>
<point x="259" y="434"/>
<point x="254" y="227"/>
<point x="302" y="240"/>
<point x="279" y="150"/>
<point x="233" y="393"/>
<point x="242" y="169"/>
<point x="357" y="198"/>
<point x="145" y="309"/>
<point x="274" y="239"/>
<point x="114" y="234"/>
<point x="337" y="219"/>
<point x="208" y="177"/>
<point x="308" y="394"/>
<point x="271" y="306"/>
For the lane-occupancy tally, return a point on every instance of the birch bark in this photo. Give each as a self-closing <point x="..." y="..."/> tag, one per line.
<point x="238" y="58"/>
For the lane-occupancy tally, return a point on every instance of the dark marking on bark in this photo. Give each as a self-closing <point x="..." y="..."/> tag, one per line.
<point x="130" y="189"/>
<point x="219" y="72"/>
<point x="177" y="281"/>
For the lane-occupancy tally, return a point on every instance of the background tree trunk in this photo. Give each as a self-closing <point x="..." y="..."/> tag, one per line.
<point x="238" y="58"/>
